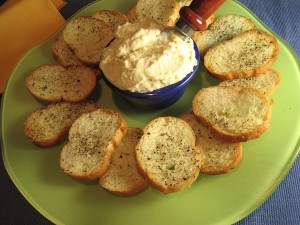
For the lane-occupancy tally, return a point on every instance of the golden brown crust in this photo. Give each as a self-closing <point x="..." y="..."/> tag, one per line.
<point x="266" y="82"/>
<point x="122" y="177"/>
<point x="54" y="83"/>
<point x="278" y="80"/>
<point x="224" y="28"/>
<point x="223" y="170"/>
<point x="63" y="54"/>
<point x="87" y="37"/>
<point x="233" y="136"/>
<point x="158" y="164"/>
<point x="72" y="158"/>
<point x="218" y="156"/>
<point x="230" y="75"/>
<point x="170" y="189"/>
<point x="165" y="12"/>
<point x="217" y="54"/>
<point x="49" y="125"/>
<point x="244" y="137"/>
<point x="113" y="18"/>
<point x="132" y="15"/>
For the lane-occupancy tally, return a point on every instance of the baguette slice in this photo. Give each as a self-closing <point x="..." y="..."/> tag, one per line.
<point x="266" y="82"/>
<point x="182" y="3"/>
<point x="132" y="14"/>
<point x="53" y="83"/>
<point x="218" y="156"/>
<point x="63" y="53"/>
<point x="234" y="115"/>
<point x="48" y="126"/>
<point x="248" y="54"/>
<point x="87" y="36"/>
<point x="162" y="17"/>
<point x="113" y="18"/>
<point x="165" y="12"/>
<point x="93" y="138"/>
<point x="122" y="177"/>
<point x="167" y="156"/>
<point x="224" y="28"/>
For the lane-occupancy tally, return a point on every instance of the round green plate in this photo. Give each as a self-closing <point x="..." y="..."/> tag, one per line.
<point x="222" y="199"/>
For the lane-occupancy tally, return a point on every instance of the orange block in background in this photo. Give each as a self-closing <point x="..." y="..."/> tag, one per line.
<point x="23" y="24"/>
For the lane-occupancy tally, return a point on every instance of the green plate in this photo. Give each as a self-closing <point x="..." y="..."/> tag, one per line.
<point x="222" y="199"/>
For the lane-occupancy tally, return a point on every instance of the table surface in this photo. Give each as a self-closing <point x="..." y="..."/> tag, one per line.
<point x="282" y="207"/>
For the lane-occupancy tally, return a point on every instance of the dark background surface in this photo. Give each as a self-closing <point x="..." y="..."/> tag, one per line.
<point x="282" y="207"/>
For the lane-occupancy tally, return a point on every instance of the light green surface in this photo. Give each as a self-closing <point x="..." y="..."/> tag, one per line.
<point x="222" y="199"/>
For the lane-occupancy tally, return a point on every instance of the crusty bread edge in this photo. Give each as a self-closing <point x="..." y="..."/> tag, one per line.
<point x="50" y="142"/>
<point x="244" y="73"/>
<point x="131" y="14"/>
<point x="113" y="143"/>
<point x="61" y="98"/>
<point x="137" y="188"/>
<point x="278" y="80"/>
<point x="260" y="129"/>
<point x="141" y="186"/>
<point x="154" y="184"/>
<point x="270" y="91"/>
<point x="232" y="166"/>
<point x="234" y="163"/>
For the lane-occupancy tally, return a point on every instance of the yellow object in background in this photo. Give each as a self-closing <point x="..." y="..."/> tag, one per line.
<point x="23" y="24"/>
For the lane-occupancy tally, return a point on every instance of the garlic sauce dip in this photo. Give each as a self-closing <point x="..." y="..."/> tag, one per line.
<point x="141" y="58"/>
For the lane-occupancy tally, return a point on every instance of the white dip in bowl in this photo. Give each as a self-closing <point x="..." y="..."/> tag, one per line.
<point x="141" y="58"/>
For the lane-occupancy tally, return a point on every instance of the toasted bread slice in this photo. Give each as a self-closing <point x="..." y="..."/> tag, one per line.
<point x="93" y="138"/>
<point x="248" y="54"/>
<point x="87" y="36"/>
<point x="132" y="15"/>
<point x="165" y="12"/>
<point x="218" y="156"/>
<point x="48" y="126"/>
<point x="182" y="3"/>
<point x="224" y="28"/>
<point x="266" y="82"/>
<point x="113" y="18"/>
<point x="166" y="154"/>
<point x="63" y="53"/>
<point x="122" y="177"/>
<point x="53" y="83"/>
<point x="234" y="115"/>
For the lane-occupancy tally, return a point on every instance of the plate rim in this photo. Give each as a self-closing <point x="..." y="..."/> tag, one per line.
<point x="35" y="204"/>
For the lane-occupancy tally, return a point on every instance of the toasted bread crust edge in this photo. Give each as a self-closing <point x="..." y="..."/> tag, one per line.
<point x="92" y="77"/>
<point x="113" y="143"/>
<point x="209" y="170"/>
<point x="141" y="186"/>
<point x="270" y="91"/>
<point x="138" y="186"/>
<point x="232" y="166"/>
<point x="244" y="137"/>
<point x="278" y="80"/>
<point x="157" y="186"/>
<point x="248" y="72"/>
<point x="137" y="189"/>
<point x="168" y="190"/>
<point x="55" y="140"/>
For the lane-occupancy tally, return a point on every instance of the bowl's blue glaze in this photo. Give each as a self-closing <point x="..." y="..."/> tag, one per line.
<point x="159" y="98"/>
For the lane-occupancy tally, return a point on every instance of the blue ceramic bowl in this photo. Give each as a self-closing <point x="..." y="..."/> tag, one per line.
<point x="159" y="98"/>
